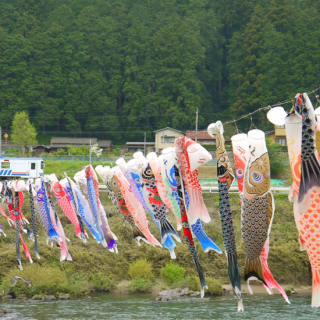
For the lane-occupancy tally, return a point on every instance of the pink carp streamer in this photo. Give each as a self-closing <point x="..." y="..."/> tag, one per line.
<point x="197" y="209"/>
<point x="6" y="217"/>
<point x="305" y="191"/>
<point x="66" y="205"/>
<point x="134" y="206"/>
<point x="240" y="146"/>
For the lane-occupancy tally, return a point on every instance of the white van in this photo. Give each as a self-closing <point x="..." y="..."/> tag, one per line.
<point x="21" y="167"/>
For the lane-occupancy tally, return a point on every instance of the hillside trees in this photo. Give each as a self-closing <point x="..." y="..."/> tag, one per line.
<point x="117" y="68"/>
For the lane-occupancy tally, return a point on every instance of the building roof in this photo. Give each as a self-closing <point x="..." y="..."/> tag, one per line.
<point x="72" y="141"/>
<point x="41" y="146"/>
<point x="61" y="142"/>
<point x="140" y="143"/>
<point x="168" y="128"/>
<point x="104" y="143"/>
<point x="60" y="145"/>
<point x="201" y="135"/>
<point x="267" y="133"/>
<point x="18" y="158"/>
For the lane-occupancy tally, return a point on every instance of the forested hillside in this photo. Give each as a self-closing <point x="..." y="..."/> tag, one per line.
<point x="116" y="68"/>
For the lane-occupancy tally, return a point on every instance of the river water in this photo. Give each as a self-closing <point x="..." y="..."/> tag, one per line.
<point x="139" y="306"/>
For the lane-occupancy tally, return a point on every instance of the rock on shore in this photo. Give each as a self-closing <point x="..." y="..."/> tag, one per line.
<point x="172" y="294"/>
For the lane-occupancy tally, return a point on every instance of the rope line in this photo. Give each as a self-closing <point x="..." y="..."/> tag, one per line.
<point x="278" y="104"/>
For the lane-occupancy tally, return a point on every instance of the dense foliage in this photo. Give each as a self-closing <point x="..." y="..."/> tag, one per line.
<point x="96" y="67"/>
<point x="142" y="269"/>
<point x="172" y="272"/>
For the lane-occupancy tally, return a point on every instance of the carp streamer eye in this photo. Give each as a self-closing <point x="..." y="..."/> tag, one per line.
<point x="58" y="190"/>
<point x="137" y="180"/>
<point x="256" y="176"/>
<point x="239" y="173"/>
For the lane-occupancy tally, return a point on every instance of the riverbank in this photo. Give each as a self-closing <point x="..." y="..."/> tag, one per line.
<point x="258" y="289"/>
<point x="94" y="267"/>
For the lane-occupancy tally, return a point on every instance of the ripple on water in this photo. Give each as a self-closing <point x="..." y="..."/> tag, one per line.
<point x="117" y="306"/>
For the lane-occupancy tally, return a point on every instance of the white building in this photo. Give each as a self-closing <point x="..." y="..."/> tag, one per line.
<point x="165" y="137"/>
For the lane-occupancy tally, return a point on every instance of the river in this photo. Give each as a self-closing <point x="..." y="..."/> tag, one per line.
<point x="140" y="306"/>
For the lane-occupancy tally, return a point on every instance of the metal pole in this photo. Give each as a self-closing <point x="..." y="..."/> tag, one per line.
<point x="90" y="152"/>
<point x="197" y="126"/>
<point x="0" y="140"/>
<point x="145" y="139"/>
<point x="163" y="140"/>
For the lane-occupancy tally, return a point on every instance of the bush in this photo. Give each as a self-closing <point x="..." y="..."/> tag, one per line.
<point x="142" y="269"/>
<point x="12" y="150"/>
<point x="77" y="286"/>
<point x="60" y="152"/>
<point x="214" y="287"/>
<point x="46" y="280"/>
<point x="102" y="282"/>
<point x="193" y="283"/>
<point x="140" y="285"/>
<point x="289" y="288"/>
<point x="172" y="272"/>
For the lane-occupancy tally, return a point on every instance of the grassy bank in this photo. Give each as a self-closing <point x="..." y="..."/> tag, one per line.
<point x="91" y="261"/>
<point x="71" y="167"/>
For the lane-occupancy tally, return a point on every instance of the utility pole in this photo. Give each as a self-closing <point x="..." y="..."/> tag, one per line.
<point x="145" y="139"/>
<point x="90" y="152"/>
<point x="163" y="140"/>
<point x="197" y="126"/>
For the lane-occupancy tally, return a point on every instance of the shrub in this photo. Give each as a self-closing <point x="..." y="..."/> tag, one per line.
<point x="172" y="272"/>
<point x="140" y="285"/>
<point x="193" y="283"/>
<point x="60" y="152"/>
<point x="214" y="287"/>
<point x="142" y="269"/>
<point x="102" y="282"/>
<point x="289" y="288"/>
<point x="76" y="286"/>
<point x="12" y="150"/>
<point x="45" y="280"/>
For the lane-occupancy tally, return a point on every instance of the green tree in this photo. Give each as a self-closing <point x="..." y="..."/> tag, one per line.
<point x="23" y="132"/>
<point x="244" y="66"/>
<point x="279" y="164"/>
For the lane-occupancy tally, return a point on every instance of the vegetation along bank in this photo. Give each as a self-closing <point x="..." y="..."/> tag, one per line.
<point x="95" y="269"/>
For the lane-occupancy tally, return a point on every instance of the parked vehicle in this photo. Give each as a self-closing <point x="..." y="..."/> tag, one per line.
<point x="21" y="167"/>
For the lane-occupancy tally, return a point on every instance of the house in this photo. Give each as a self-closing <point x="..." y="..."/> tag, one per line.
<point x="41" y="149"/>
<point x="105" y="145"/>
<point x="57" y="143"/>
<point x="165" y="137"/>
<point x="202" y="137"/>
<point x="139" y="146"/>
<point x="278" y="135"/>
